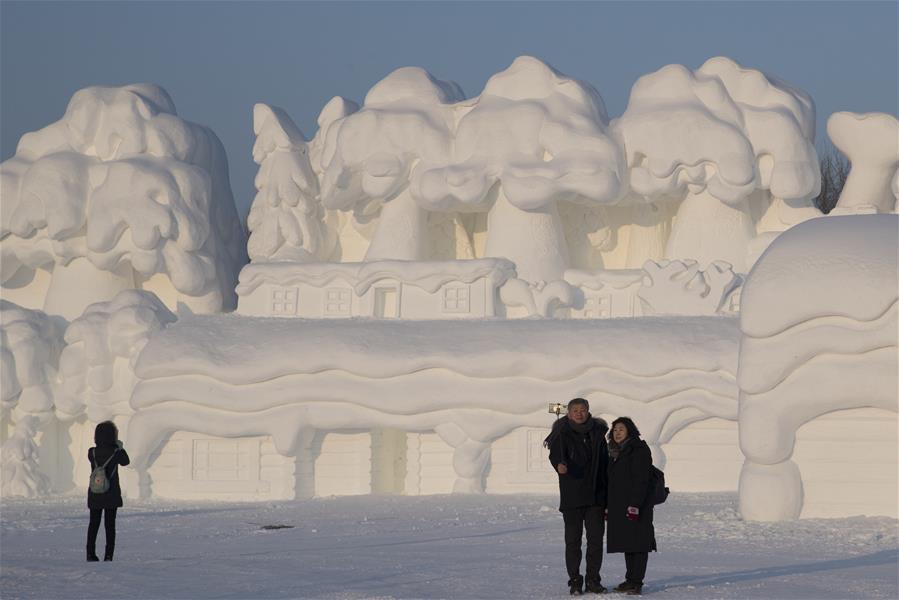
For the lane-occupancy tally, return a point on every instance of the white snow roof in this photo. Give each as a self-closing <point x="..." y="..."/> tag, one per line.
<point x="428" y="275"/>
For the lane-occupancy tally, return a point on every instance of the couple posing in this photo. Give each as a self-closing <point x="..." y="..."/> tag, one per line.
<point x="601" y="483"/>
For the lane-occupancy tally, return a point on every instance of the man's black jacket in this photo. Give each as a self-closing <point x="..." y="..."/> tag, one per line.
<point x="586" y="456"/>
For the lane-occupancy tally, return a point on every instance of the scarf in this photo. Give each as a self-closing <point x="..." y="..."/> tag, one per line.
<point x="616" y="448"/>
<point x="585" y="427"/>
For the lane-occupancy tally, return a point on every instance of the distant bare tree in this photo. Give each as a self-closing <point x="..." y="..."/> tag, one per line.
<point x="834" y="170"/>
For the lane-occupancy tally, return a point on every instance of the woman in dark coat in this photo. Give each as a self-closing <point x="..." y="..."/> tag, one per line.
<point x="108" y="448"/>
<point x="629" y="525"/>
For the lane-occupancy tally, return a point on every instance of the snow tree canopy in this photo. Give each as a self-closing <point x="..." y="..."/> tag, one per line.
<point x="711" y="138"/>
<point x="370" y="155"/>
<point x="30" y="344"/>
<point x="96" y="368"/>
<point x="286" y="218"/>
<point x="122" y="193"/>
<point x="871" y="142"/>
<point x="533" y="138"/>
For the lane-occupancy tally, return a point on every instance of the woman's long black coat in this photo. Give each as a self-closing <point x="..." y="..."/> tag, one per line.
<point x="112" y="498"/>
<point x="629" y="486"/>
<point x="580" y="487"/>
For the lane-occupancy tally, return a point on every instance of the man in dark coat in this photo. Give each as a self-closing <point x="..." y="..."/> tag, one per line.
<point x="630" y="510"/>
<point x="579" y="454"/>
<point x="108" y="450"/>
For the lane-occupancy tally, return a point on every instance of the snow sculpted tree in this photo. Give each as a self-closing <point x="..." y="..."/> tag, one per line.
<point x="30" y="344"/>
<point x="405" y="124"/>
<point x="532" y="139"/>
<point x="709" y="139"/>
<point x="871" y="142"/>
<point x="121" y="193"/>
<point x="96" y="368"/>
<point x="286" y="219"/>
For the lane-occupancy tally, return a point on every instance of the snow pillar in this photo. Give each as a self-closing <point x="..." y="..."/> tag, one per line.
<point x="79" y="284"/>
<point x="770" y="492"/>
<point x="470" y="459"/>
<point x="304" y="465"/>
<point x="532" y="239"/>
<point x="706" y="229"/>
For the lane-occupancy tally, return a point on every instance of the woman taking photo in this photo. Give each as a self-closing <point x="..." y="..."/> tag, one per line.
<point x="629" y="525"/>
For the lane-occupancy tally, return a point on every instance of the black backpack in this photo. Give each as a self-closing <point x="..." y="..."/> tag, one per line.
<point x="658" y="493"/>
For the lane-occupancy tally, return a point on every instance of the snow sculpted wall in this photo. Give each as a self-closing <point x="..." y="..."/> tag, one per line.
<point x="471" y="382"/>
<point x="819" y="334"/>
<point x="120" y="193"/>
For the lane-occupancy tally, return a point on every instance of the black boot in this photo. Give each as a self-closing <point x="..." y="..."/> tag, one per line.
<point x="595" y="587"/>
<point x="575" y="586"/>
<point x="108" y="555"/>
<point x="624" y="586"/>
<point x="636" y="590"/>
<point x="92" y="555"/>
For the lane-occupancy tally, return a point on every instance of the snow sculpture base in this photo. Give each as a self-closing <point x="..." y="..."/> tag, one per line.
<point x="770" y="492"/>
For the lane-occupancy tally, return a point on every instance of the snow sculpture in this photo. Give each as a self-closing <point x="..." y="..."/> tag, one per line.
<point x="819" y="322"/>
<point x="381" y="289"/>
<point x="30" y="343"/>
<point x="286" y="220"/>
<point x="19" y="472"/>
<point x="369" y="156"/>
<point x="96" y="368"/>
<point x="537" y="299"/>
<point x="532" y="139"/>
<point x="470" y="381"/>
<point x="680" y="288"/>
<point x="871" y="142"/>
<point x="120" y="193"/>
<point x="710" y="139"/>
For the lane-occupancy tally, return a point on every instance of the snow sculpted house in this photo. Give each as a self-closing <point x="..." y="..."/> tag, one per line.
<point x="429" y="271"/>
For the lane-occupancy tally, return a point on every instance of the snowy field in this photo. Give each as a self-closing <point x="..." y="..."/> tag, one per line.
<point x="427" y="547"/>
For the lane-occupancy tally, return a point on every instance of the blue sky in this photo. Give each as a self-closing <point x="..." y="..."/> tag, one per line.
<point x="217" y="59"/>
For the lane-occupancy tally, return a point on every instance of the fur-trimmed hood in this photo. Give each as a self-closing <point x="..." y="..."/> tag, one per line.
<point x="562" y="424"/>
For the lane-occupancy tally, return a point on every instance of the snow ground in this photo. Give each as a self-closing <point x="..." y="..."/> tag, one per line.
<point x="427" y="547"/>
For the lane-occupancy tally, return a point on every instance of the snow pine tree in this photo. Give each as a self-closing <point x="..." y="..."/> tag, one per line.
<point x="286" y="219"/>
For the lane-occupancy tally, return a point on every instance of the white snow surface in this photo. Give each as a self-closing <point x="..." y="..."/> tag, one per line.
<point x="843" y="266"/>
<point x="227" y="347"/>
<point x="389" y="547"/>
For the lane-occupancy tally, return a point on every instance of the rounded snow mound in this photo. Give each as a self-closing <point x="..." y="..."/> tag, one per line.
<point x="843" y="266"/>
<point x="413" y="83"/>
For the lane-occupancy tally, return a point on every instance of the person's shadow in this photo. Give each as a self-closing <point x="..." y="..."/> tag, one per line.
<point x="884" y="557"/>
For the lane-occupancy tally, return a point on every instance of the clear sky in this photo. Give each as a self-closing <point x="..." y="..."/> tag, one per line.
<point x="217" y="59"/>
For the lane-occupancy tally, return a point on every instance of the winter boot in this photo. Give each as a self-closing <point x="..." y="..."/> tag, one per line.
<point x="92" y="555"/>
<point x="624" y="586"/>
<point x="636" y="590"/>
<point x="107" y="557"/>
<point x="595" y="587"/>
<point x="576" y="586"/>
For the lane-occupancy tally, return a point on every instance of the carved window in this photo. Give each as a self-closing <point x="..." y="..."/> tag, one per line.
<point x="456" y="299"/>
<point x="597" y="307"/>
<point x="338" y="302"/>
<point x="284" y="301"/>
